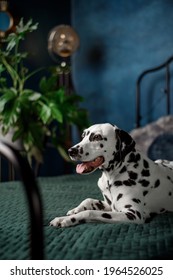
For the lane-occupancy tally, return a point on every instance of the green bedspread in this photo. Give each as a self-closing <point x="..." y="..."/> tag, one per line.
<point x="86" y="241"/>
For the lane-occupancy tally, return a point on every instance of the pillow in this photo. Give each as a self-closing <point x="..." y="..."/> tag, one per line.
<point x="161" y="147"/>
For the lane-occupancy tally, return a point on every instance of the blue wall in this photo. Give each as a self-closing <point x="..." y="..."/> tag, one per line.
<point x="118" y="40"/>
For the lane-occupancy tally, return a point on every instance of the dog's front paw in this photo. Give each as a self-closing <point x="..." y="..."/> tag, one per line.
<point x="76" y="210"/>
<point x="62" y="222"/>
<point x="73" y="211"/>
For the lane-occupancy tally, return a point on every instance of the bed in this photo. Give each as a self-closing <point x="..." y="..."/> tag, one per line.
<point x="27" y="206"/>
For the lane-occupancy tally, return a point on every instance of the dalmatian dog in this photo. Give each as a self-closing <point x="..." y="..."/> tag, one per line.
<point x="133" y="186"/>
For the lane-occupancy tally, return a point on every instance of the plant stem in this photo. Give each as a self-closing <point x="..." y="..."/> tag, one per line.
<point x="16" y="64"/>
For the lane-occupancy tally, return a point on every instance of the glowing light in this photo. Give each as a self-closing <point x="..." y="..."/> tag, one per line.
<point x="63" y="40"/>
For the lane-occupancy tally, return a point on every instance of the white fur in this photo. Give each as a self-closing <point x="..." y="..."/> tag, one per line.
<point x="132" y="185"/>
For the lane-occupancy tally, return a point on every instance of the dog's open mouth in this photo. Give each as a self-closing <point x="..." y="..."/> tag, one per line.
<point x="89" y="166"/>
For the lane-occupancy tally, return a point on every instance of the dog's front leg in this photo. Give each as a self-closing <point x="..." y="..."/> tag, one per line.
<point x="89" y="216"/>
<point x="90" y="204"/>
<point x="72" y="220"/>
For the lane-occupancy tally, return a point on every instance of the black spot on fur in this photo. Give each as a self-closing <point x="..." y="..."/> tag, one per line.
<point x="91" y="137"/>
<point x="169" y="178"/>
<point x="110" y="167"/>
<point x="138" y="214"/>
<point x="85" y="208"/>
<point x="136" y="165"/>
<point x="134" y="157"/>
<point x="128" y="206"/>
<point x="146" y="164"/>
<point x="100" y="205"/>
<point x="108" y="200"/>
<point x="73" y="220"/>
<point x="157" y="183"/>
<point x="124" y="144"/>
<point x="81" y="150"/>
<point x="145" y="193"/>
<point x="132" y="182"/>
<point x="107" y="216"/>
<point x="82" y="221"/>
<point x="118" y="183"/>
<point x="93" y="207"/>
<point x="145" y="173"/>
<point x="118" y="143"/>
<point x="144" y="183"/>
<point x="131" y="210"/>
<point x="119" y="196"/>
<point x="130" y="216"/>
<point x="170" y="193"/>
<point x="127" y="144"/>
<point x="105" y="139"/>
<point x="129" y="182"/>
<point x="87" y="154"/>
<point x="138" y="157"/>
<point x="136" y="200"/>
<point x="109" y="185"/>
<point x="123" y="170"/>
<point x="133" y="175"/>
<point x="101" y="145"/>
<point x="162" y="210"/>
<point x="116" y="159"/>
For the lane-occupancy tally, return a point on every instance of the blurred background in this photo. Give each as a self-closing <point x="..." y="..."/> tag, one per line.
<point x="118" y="40"/>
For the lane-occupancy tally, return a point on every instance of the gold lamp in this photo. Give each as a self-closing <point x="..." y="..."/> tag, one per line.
<point x="62" y="41"/>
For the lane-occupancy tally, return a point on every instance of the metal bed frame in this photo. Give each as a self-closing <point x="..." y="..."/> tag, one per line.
<point x="33" y="197"/>
<point x="165" y="65"/>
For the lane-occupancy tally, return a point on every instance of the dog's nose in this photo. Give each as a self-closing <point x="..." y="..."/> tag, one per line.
<point x="73" y="152"/>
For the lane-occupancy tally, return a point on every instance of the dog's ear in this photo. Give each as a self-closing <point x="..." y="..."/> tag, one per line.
<point x="125" y="143"/>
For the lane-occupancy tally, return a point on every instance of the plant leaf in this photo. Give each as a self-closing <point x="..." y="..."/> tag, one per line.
<point x="55" y="112"/>
<point x="8" y="95"/>
<point x="45" y="113"/>
<point x="34" y="96"/>
<point x="48" y="84"/>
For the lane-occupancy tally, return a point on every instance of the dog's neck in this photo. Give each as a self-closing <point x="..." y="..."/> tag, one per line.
<point x="118" y="164"/>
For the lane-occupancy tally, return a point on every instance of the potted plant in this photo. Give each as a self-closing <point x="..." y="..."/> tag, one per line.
<point x="34" y="116"/>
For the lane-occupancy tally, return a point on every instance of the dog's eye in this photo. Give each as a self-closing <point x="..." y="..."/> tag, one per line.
<point x="97" y="137"/>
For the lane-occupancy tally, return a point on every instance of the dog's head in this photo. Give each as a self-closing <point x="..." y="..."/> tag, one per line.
<point x="102" y="146"/>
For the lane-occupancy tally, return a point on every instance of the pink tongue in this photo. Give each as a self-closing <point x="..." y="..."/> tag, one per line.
<point x="82" y="168"/>
<point x="89" y="166"/>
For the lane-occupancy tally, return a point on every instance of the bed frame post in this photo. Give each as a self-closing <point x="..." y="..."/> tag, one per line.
<point x="33" y="196"/>
<point x="167" y="89"/>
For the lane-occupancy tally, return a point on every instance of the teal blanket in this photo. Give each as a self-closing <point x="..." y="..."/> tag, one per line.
<point x="86" y="241"/>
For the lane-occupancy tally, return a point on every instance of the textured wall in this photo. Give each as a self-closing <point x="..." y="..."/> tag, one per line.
<point x="118" y="40"/>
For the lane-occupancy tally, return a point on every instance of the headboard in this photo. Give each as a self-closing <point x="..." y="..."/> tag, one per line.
<point x="165" y="65"/>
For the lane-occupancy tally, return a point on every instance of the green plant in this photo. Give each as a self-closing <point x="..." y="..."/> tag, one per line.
<point x="34" y="116"/>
